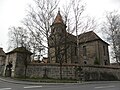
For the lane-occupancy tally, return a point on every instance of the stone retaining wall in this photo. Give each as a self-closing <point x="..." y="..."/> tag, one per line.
<point x="73" y="72"/>
<point x="50" y="71"/>
<point x="101" y="73"/>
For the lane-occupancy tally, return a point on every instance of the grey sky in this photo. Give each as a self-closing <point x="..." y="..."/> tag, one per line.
<point x="13" y="11"/>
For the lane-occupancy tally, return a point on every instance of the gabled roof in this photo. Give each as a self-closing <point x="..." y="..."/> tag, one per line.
<point x="88" y="37"/>
<point x="20" y="50"/>
<point x="2" y="53"/>
<point x="71" y="37"/>
<point x="58" y="19"/>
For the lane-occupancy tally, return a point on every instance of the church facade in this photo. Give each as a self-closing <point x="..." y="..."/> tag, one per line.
<point x="63" y="47"/>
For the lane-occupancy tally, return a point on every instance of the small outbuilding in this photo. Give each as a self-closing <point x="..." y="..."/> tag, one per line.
<point x="2" y="56"/>
<point x="16" y="62"/>
<point x="2" y="60"/>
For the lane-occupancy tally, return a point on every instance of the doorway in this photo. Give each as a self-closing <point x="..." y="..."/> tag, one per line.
<point x="8" y="70"/>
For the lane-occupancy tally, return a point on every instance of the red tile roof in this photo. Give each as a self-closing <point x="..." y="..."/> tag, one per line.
<point x="58" y="18"/>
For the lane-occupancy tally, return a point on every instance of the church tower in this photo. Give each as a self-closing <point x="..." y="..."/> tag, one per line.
<point x="57" y="40"/>
<point x="58" y="25"/>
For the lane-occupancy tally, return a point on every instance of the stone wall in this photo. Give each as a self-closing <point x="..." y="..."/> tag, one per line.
<point x="50" y="71"/>
<point x="73" y="72"/>
<point x="101" y="73"/>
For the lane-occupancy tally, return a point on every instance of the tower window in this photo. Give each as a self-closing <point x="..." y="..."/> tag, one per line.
<point x="84" y="51"/>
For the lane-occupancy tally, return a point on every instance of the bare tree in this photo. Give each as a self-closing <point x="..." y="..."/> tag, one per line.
<point x="77" y="14"/>
<point x="112" y="28"/>
<point x="35" y="47"/>
<point x="39" y="19"/>
<point x="18" y="37"/>
<point x="77" y="22"/>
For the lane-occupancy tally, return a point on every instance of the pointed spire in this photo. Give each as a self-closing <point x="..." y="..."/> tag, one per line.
<point x="58" y="18"/>
<point x="59" y="9"/>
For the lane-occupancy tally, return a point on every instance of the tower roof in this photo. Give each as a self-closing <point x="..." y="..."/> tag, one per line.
<point x="58" y="18"/>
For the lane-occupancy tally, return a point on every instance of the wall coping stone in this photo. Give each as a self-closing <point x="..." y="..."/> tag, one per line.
<point x="76" y="65"/>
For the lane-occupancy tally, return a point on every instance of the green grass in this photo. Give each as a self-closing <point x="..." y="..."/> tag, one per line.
<point x="48" y="80"/>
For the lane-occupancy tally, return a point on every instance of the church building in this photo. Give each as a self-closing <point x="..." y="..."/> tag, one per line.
<point x="82" y="57"/>
<point x="63" y="48"/>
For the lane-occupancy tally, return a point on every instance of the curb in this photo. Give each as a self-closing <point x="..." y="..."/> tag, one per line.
<point x="35" y="83"/>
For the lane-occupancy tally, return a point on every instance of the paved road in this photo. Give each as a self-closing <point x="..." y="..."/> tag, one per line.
<point x="105" y="86"/>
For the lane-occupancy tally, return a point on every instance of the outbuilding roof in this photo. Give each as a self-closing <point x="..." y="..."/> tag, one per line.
<point x="2" y="53"/>
<point x="20" y="50"/>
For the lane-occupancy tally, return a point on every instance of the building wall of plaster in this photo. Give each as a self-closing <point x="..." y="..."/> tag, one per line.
<point x="67" y="53"/>
<point x="1" y="69"/>
<point x="18" y="61"/>
<point x="10" y="58"/>
<point x="2" y="60"/>
<point x="103" y="53"/>
<point x="23" y="59"/>
<point x="2" y="64"/>
<point x="95" y="50"/>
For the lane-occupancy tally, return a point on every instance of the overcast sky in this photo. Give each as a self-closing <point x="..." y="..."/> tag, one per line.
<point x="13" y="11"/>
